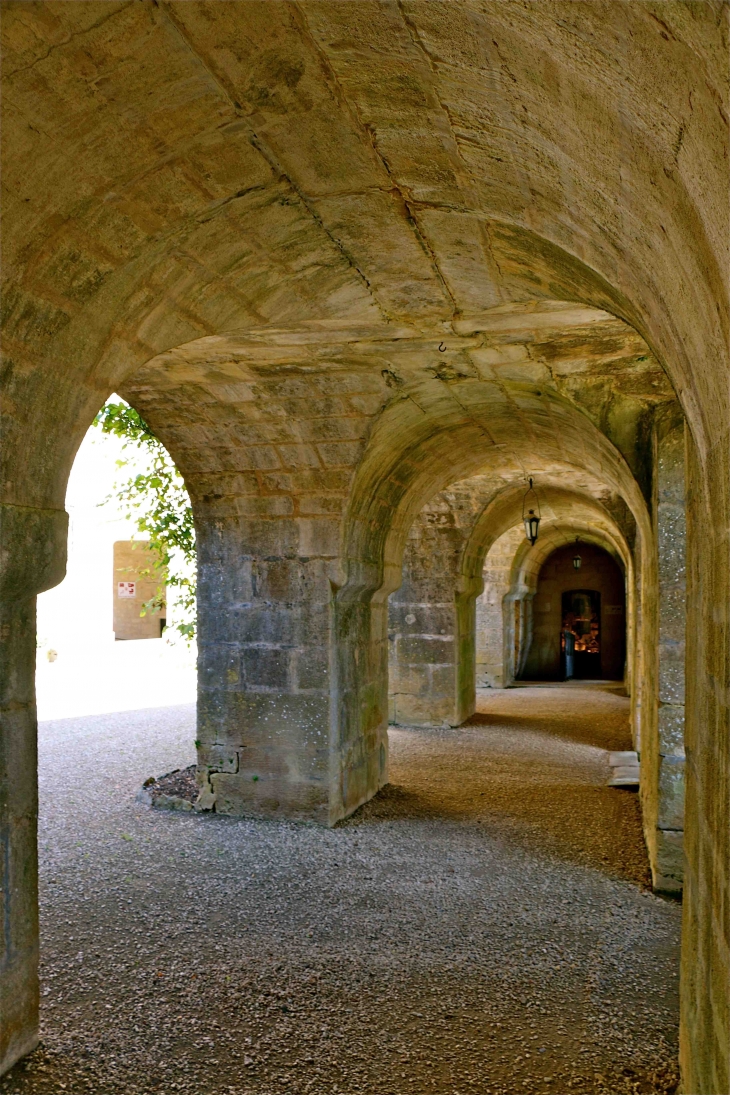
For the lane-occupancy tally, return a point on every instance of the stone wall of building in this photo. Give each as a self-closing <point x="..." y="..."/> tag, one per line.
<point x="422" y="622"/>
<point x="431" y="619"/>
<point x="32" y="558"/>
<point x="705" y="972"/>
<point x="264" y="672"/>
<point x="671" y="548"/>
<point x="442" y="629"/>
<point x="136" y="581"/>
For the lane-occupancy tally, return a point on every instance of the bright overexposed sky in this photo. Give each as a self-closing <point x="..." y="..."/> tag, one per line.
<point x="91" y="672"/>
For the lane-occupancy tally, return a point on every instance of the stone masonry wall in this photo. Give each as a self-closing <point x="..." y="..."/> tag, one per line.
<point x="430" y="627"/>
<point x="491" y="669"/>
<point x="705" y="972"/>
<point x="671" y="541"/>
<point x="32" y="558"/>
<point x="189" y="175"/>
<point x="422" y="622"/>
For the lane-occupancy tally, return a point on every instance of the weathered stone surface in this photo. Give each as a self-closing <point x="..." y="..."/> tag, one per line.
<point x="494" y="665"/>
<point x="668" y="875"/>
<point x="671" y="793"/>
<point x="626" y="756"/>
<point x="671" y="672"/>
<point x="663" y="800"/>
<point x="32" y="558"/>
<point x="671" y="729"/>
<point x="172" y="802"/>
<point x="425" y="623"/>
<point x="32" y="550"/>
<point x="628" y="777"/>
<point x="624" y="769"/>
<point x="229" y="214"/>
<point x="443" y="635"/>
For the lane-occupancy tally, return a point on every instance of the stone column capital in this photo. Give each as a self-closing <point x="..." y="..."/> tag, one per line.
<point x="33" y="544"/>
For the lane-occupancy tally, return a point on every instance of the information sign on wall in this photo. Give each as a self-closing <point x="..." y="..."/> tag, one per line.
<point x="141" y="582"/>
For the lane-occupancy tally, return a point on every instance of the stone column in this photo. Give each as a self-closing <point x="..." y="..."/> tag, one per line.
<point x="32" y="558"/>
<point x="496" y="616"/>
<point x="292" y="712"/>
<point x="704" y="1033"/>
<point x="431" y="625"/>
<point x="670" y="527"/>
<point x="265" y="678"/>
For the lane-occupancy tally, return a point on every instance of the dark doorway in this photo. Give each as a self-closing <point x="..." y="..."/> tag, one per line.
<point x="601" y="578"/>
<point x="580" y="636"/>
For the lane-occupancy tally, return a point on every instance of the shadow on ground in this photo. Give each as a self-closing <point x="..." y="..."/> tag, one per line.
<point x="480" y="927"/>
<point x="511" y="768"/>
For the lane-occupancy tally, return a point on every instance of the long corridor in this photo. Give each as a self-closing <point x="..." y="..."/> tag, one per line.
<point x="482" y="926"/>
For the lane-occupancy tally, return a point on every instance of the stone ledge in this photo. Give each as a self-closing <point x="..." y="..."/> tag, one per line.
<point x="624" y="768"/>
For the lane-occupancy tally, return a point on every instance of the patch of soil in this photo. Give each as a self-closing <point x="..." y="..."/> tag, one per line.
<point x="181" y="783"/>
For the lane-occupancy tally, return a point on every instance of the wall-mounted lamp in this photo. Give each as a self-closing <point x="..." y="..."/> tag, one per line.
<point x="577" y="561"/>
<point x="531" y="514"/>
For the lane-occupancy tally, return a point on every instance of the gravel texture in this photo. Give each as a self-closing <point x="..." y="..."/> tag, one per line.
<point x="482" y="926"/>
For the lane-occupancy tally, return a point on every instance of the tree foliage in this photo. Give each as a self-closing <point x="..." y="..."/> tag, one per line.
<point x="157" y="501"/>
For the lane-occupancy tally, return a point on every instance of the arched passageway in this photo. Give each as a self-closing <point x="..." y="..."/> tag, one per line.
<point x="440" y="617"/>
<point x="335" y="288"/>
<point x="579" y="617"/>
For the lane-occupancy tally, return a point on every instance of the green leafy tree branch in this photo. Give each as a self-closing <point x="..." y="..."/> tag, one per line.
<point x="157" y="501"/>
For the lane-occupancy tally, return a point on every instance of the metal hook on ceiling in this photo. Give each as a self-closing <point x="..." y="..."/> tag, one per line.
<point x="442" y="347"/>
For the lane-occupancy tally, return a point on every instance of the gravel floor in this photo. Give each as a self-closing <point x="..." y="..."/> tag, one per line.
<point x="481" y="927"/>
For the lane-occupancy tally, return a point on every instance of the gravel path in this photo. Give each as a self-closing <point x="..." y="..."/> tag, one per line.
<point x="481" y="927"/>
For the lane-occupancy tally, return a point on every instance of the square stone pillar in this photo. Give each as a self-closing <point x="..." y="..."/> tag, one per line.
<point x="496" y="665"/>
<point x="431" y="626"/>
<point x="704" y="1033"/>
<point x="668" y="868"/>
<point x="291" y="712"/>
<point x="32" y="558"/>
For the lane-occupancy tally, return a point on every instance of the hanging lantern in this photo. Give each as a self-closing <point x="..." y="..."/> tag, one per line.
<point x="531" y="514"/>
<point x="577" y="561"/>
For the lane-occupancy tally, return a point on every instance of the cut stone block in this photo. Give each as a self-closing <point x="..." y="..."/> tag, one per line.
<point x="668" y="874"/>
<point x="624" y="766"/>
<point x="628" y="756"/>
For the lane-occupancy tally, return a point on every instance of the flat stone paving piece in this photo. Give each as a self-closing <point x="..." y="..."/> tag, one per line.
<point x="482" y="926"/>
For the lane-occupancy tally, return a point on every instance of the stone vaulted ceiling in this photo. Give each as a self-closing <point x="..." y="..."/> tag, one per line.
<point x="299" y="178"/>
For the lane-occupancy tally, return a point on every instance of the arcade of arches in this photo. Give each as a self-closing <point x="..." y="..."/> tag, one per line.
<point x="365" y="268"/>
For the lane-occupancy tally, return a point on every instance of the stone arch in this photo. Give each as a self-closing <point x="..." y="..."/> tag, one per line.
<point x="433" y="656"/>
<point x="258" y="421"/>
<point x="630" y="536"/>
<point x="526" y="572"/>
<point x="152" y="213"/>
<point x="410" y="455"/>
<point x="445" y="432"/>
<point x="522" y="581"/>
